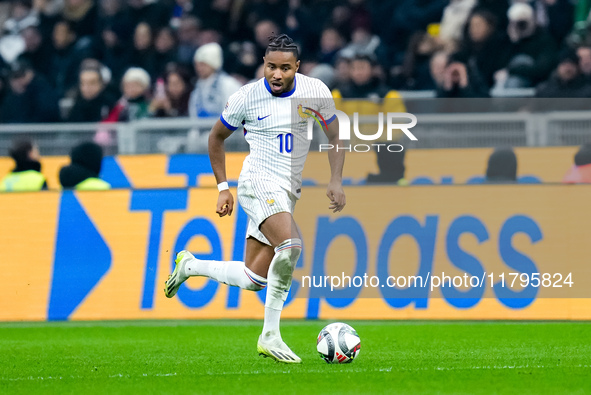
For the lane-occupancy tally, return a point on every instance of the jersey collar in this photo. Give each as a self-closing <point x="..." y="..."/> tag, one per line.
<point x="284" y="94"/>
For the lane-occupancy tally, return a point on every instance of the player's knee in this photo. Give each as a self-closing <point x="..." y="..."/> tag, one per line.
<point x="291" y="248"/>
<point x="254" y="282"/>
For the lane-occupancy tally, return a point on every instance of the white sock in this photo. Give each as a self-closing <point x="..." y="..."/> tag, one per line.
<point x="279" y="282"/>
<point x="271" y="323"/>
<point x="230" y="272"/>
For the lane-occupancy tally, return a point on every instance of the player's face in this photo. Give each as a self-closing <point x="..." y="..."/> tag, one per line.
<point x="280" y="69"/>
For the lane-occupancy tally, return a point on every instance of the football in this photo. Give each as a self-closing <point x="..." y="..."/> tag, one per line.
<point x="338" y="343"/>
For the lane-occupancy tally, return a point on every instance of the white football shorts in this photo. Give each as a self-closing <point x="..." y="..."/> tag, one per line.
<point x="260" y="199"/>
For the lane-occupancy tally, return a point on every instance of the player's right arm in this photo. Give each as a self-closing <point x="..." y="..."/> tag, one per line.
<point x="229" y="121"/>
<point x="217" y="157"/>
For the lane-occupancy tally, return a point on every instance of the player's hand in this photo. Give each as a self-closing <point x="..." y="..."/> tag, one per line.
<point x="225" y="204"/>
<point x="337" y="197"/>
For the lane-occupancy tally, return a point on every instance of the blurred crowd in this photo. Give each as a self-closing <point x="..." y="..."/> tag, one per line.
<point x="119" y="60"/>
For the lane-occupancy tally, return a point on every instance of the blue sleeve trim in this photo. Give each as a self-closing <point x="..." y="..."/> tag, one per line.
<point x="328" y="121"/>
<point x="226" y="124"/>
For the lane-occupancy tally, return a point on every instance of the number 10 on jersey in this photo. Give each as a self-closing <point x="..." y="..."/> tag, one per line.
<point x="285" y="142"/>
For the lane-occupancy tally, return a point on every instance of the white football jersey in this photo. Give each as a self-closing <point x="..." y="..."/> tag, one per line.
<point x="276" y="128"/>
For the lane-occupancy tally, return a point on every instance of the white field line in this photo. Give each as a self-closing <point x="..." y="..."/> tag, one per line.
<point x="390" y="369"/>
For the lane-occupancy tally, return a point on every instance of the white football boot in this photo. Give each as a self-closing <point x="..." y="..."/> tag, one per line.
<point x="178" y="276"/>
<point x="276" y="349"/>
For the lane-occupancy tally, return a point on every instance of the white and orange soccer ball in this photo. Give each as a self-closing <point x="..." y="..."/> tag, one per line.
<point x="338" y="343"/>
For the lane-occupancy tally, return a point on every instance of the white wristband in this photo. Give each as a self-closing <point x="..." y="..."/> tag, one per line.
<point x="222" y="186"/>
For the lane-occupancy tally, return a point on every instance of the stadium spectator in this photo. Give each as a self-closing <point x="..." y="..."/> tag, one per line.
<point x="66" y="58"/>
<point x="458" y="82"/>
<point x="502" y="166"/>
<point x="143" y="54"/>
<point x="36" y="52"/>
<point x="331" y="42"/>
<point x="262" y="31"/>
<point x="555" y="16"/>
<point x="410" y="16"/>
<point x="380" y="11"/>
<point x="214" y="86"/>
<point x="340" y="19"/>
<point x="82" y="16"/>
<point x="207" y="36"/>
<point x="172" y="98"/>
<point x="21" y="17"/>
<point x="26" y="175"/>
<point x="48" y="8"/>
<point x="455" y="17"/>
<point x="83" y="172"/>
<point x="582" y="10"/>
<point x="156" y="14"/>
<point x="31" y="99"/>
<point x="360" y="15"/>
<point x="4" y="70"/>
<point x="342" y="69"/>
<point x="580" y="173"/>
<point x="245" y="60"/>
<point x="307" y="63"/>
<point x="325" y="73"/>
<point x="348" y="16"/>
<point x="414" y="73"/>
<point x="113" y="49"/>
<point x="122" y="34"/>
<point x="437" y="65"/>
<point x="218" y="14"/>
<point x="301" y="23"/>
<point x="188" y="39"/>
<point x="364" y="83"/>
<point x="134" y="103"/>
<point x="165" y="50"/>
<point x="180" y="8"/>
<point x="362" y="42"/>
<point x="584" y="54"/>
<point x="268" y="11"/>
<point x="567" y="81"/>
<point x="93" y="102"/>
<point x="533" y="52"/>
<point x="48" y="12"/>
<point x="498" y="8"/>
<point x="113" y="15"/>
<point x="485" y="48"/>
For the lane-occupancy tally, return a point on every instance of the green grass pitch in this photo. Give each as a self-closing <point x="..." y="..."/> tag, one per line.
<point x="182" y="357"/>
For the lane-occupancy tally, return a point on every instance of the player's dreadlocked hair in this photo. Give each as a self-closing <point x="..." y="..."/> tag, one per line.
<point x="283" y="43"/>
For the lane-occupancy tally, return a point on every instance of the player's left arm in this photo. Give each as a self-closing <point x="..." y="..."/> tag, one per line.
<point x="336" y="158"/>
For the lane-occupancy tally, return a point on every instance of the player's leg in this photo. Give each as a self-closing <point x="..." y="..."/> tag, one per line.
<point x="281" y="232"/>
<point x="258" y="256"/>
<point x="250" y="275"/>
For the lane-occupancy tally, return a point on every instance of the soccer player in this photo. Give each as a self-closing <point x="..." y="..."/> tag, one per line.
<point x="269" y="184"/>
